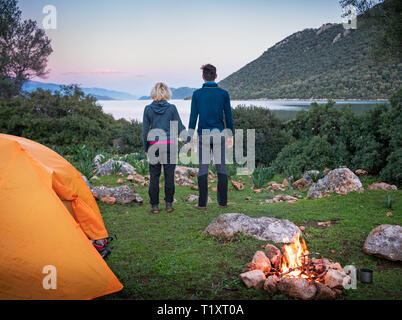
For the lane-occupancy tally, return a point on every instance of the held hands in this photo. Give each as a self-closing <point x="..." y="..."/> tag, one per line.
<point x="229" y="142"/>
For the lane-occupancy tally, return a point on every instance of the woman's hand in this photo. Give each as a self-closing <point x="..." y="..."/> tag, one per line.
<point x="229" y="142"/>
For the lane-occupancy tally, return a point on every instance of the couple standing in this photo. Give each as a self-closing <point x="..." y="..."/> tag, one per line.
<point x="210" y="105"/>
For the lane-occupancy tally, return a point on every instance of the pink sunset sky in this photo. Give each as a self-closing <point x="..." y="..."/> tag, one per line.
<point x="129" y="45"/>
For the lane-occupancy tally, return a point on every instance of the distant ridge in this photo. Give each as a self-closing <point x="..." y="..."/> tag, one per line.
<point x="98" y="93"/>
<point x="177" y="93"/>
<point x="328" y="62"/>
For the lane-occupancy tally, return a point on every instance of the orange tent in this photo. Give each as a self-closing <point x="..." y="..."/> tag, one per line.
<point x="42" y="241"/>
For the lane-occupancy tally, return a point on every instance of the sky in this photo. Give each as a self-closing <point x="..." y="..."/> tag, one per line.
<point x="129" y="45"/>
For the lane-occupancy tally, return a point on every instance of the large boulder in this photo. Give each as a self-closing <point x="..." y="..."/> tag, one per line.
<point x="122" y="194"/>
<point x="340" y="181"/>
<point x="108" y="168"/>
<point x="385" y="241"/>
<point x="264" y="228"/>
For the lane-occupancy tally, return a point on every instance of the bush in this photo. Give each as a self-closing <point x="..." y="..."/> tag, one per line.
<point x="306" y="154"/>
<point x="131" y="137"/>
<point x="66" y="118"/>
<point x="270" y="136"/>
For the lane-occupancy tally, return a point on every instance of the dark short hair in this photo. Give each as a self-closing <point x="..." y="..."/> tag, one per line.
<point x="209" y="72"/>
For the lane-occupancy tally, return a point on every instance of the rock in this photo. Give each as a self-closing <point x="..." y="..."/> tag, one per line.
<point x="99" y="158"/>
<point x="336" y="39"/>
<point x="254" y="278"/>
<point x="308" y="176"/>
<point x="109" y="200"/>
<point x="138" y="198"/>
<point x="285" y="183"/>
<point x="264" y="228"/>
<point x="385" y="241"/>
<point x="361" y="172"/>
<point x="270" y="284"/>
<point x="274" y="255"/>
<point x="95" y="178"/>
<point x="257" y="190"/>
<point x="336" y="279"/>
<point x="324" y="27"/>
<point x="335" y="266"/>
<point x="389" y="214"/>
<point x="326" y="171"/>
<point x="238" y="185"/>
<point x="214" y="189"/>
<point x="107" y="168"/>
<point x="249" y="198"/>
<point x="284" y="198"/>
<point x="87" y="182"/>
<point x="261" y="261"/>
<point x="340" y="181"/>
<point x="186" y="171"/>
<point x="122" y="194"/>
<point x="184" y="181"/>
<point x="120" y="181"/>
<point x="194" y="188"/>
<point x="323" y="292"/>
<point x="193" y="197"/>
<point x="297" y="288"/>
<point x="275" y="186"/>
<point x="381" y="186"/>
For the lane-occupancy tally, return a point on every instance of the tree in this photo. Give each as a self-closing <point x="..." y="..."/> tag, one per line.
<point x="24" y="50"/>
<point x="386" y="15"/>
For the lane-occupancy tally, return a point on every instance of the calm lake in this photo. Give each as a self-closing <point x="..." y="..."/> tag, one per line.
<point x="284" y="109"/>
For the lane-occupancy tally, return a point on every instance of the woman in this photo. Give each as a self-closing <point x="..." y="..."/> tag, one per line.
<point x="158" y="115"/>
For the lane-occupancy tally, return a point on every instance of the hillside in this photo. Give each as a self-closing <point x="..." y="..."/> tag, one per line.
<point x="98" y="93"/>
<point x="329" y="62"/>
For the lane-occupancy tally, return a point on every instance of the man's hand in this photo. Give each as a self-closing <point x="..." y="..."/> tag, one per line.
<point x="229" y="142"/>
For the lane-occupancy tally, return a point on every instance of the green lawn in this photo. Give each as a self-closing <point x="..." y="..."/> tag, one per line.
<point x="164" y="256"/>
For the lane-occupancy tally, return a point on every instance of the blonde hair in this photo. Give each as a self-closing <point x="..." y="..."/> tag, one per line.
<point x="160" y="92"/>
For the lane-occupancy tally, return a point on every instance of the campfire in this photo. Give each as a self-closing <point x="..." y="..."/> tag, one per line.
<point x="295" y="271"/>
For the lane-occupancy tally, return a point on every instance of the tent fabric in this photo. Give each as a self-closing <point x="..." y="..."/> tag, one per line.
<point x="38" y="230"/>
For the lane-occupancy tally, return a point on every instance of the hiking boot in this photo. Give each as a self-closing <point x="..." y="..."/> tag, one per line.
<point x="155" y="209"/>
<point x="200" y="208"/>
<point x="169" y="207"/>
<point x="222" y="207"/>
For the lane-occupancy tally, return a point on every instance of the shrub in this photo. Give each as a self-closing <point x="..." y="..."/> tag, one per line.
<point x="270" y="136"/>
<point x="66" y="118"/>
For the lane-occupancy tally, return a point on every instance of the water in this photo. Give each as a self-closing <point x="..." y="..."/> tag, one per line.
<point x="284" y="109"/>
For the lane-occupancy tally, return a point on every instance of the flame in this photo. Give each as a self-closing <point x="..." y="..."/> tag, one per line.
<point x="293" y="256"/>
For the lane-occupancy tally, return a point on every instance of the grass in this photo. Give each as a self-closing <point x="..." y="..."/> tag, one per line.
<point x="165" y="256"/>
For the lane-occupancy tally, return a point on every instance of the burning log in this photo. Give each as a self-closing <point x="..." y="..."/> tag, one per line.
<point x="296" y="272"/>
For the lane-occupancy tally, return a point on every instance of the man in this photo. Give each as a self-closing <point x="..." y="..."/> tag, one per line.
<point x="211" y="105"/>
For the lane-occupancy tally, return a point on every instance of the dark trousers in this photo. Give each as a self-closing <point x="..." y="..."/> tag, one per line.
<point x="206" y="146"/>
<point x="155" y="172"/>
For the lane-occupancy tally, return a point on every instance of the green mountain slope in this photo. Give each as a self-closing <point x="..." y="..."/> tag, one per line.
<point x="329" y="62"/>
